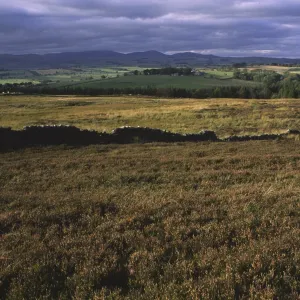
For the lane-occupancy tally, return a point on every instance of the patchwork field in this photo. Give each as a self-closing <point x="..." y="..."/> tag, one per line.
<point x="224" y="116"/>
<point x="114" y="77"/>
<point x="62" y="76"/>
<point x="206" y="220"/>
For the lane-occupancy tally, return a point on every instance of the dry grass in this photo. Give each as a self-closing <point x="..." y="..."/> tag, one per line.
<point x="225" y="116"/>
<point x="279" y="69"/>
<point x="156" y="221"/>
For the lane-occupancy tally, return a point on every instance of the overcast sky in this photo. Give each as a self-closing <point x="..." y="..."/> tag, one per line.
<point x="220" y="27"/>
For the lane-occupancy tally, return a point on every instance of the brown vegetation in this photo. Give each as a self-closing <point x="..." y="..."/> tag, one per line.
<point x="193" y="220"/>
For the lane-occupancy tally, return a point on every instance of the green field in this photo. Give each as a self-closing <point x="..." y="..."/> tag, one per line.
<point x="62" y="76"/>
<point x="163" y="81"/>
<point x="218" y="73"/>
<point x="93" y="78"/>
<point x="11" y="81"/>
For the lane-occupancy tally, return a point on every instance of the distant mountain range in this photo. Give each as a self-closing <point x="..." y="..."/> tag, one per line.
<point x="115" y="59"/>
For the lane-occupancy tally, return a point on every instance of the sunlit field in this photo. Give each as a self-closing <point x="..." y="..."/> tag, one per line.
<point x="224" y="116"/>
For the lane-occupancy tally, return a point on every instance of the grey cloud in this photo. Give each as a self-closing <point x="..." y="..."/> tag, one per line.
<point x="215" y="26"/>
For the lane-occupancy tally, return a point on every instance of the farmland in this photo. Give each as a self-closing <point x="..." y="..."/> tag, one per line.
<point x="210" y="220"/>
<point x="277" y="69"/>
<point x="107" y="77"/>
<point x="218" y="73"/>
<point x="114" y="78"/>
<point x="162" y="81"/>
<point x="62" y="75"/>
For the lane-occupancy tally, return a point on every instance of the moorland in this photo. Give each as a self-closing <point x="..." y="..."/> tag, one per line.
<point x="207" y="220"/>
<point x="224" y="116"/>
<point x="184" y="220"/>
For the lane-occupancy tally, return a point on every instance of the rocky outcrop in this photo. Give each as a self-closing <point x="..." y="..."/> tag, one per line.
<point x="263" y="137"/>
<point x="70" y="135"/>
<point x="49" y="135"/>
<point x="125" y="135"/>
<point x="293" y="131"/>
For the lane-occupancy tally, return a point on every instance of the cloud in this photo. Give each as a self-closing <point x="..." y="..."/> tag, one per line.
<point x="264" y="28"/>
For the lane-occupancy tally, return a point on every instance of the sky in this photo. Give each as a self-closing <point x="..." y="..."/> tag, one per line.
<point x="219" y="27"/>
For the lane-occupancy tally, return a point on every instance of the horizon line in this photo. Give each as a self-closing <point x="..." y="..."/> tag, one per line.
<point x="171" y="53"/>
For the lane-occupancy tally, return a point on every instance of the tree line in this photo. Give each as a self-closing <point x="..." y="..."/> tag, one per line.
<point x="271" y="85"/>
<point x="171" y="92"/>
<point x="265" y="76"/>
<point x="169" y="71"/>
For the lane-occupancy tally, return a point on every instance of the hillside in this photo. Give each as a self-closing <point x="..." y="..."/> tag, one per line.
<point x="111" y="58"/>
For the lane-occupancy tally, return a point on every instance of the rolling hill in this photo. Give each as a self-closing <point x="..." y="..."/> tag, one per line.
<point x="111" y="58"/>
